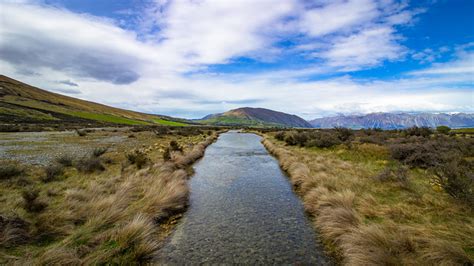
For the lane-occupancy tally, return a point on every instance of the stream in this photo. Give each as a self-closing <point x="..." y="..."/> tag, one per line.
<point x="242" y="210"/>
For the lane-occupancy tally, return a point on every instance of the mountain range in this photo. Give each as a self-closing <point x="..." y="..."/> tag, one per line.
<point x="21" y="103"/>
<point x="395" y="120"/>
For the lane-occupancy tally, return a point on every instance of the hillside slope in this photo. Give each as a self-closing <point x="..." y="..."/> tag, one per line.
<point x="22" y="103"/>
<point x="248" y="116"/>
<point x="395" y="120"/>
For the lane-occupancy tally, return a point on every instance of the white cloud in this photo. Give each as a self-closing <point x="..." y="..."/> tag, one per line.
<point x="366" y="48"/>
<point x="337" y="16"/>
<point x="464" y="64"/>
<point x="149" y="71"/>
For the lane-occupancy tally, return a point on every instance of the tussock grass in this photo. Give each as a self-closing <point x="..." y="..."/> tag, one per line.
<point x="369" y="212"/>
<point x="103" y="217"/>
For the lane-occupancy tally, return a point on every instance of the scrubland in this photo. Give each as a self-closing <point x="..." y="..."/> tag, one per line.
<point x="384" y="197"/>
<point x="112" y="205"/>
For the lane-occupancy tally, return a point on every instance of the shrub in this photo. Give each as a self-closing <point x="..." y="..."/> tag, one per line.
<point x="343" y="133"/>
<point x="167" y="154"/>
<point x="51" y="172"/>
<point x="137" y="158"/>
<point x="323" y="140"/>
<point x="418" y="131"/>
<point x="398" y="174"/>
<point x="416" y="154"/>
<point x="65" y="160"/>
<point x="457" y="179"/>
<point x="443" y="129"/>
<point x="81" y="132"/>
<point x="90" y="164"/>
<point x="296" y="138"/>
<point x="280" y="135"/>
<point x="174" y="146"/>
<point x="10" y="170"/>
<point x="159" y="131"/>
<point x="99" y="151"/>
<point x="31" y="203"/>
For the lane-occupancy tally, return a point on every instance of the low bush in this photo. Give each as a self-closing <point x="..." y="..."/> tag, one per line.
<point x="323" y="140"/>
<point x="81" y="132"/>
<point x="397" y="174"/>
<point x="52" y="172"/>
<point x="443" y="129"/>
<point x="138" y="158"/>
<point x="167" y="154"/>
<point x="90" y="164"/>
<point x="160" y="131"/>
<point x="31" y="203"/>
<point x="97" y="152"/>
<point x="418" y="131"/>
<point x="174" y="146"/>
<point x="65" y="160"/>
<point x="10" y="170"/>
<point x="344" y="134"/>
<point x="457" y="179"/>
<point x="416" y="154"/>
<point x="280" y="135"/>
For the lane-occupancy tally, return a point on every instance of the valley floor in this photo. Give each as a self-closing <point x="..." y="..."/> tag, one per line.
<point x="98" y="196"/>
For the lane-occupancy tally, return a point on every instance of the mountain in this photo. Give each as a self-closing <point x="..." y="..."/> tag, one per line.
<point x="395" y="120"/>
<point x="22" y="103"/>
<point x="248" y="116"/>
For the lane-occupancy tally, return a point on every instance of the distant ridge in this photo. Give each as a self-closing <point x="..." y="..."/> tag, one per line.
<point x="25" y="104"/>
<point x="395" y="120"/>
<point x="248" y="116"/>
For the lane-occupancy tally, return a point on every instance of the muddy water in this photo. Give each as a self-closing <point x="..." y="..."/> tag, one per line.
<point x="242" y="210"/>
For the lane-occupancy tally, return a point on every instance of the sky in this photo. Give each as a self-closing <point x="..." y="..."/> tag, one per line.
<point x="190" y="58"/>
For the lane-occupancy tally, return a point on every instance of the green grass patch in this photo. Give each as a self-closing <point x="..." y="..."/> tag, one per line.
<point x="108" y="118"/>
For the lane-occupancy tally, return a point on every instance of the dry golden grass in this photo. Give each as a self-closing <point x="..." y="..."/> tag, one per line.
<point x="364" y="221"/>
<point x="111" y="217"/>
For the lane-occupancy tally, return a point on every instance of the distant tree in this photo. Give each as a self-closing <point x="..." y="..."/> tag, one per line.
<point x="443" y="129"/>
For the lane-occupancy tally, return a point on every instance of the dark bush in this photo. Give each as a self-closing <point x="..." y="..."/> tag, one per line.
<point x="160" y="131"/>
<point x="9" y="170"/>
<point x="323" y="140"/>
<point x="290" y="138"/>
<point x="343" y="133"/>
<point x="416" y="154"/>
<point x="90" y="164"/>
<point x="280" y="135"/>
<point x="81" y="132"/>
<point x="167" y="154"/>
<point x="174" y="146"/>
<point x="443" y="130"/>
<point x="97" y="152"/>
<point x="418" y="131"/>
<point x="397" y="174"/>
<point x="137" y="158"/>
<point x="52" y="172"/>
<point x="296" y="138"/>
<point x="31" y="203"/>
<point x="65" y="160"/>
<point x="457" y="179"/>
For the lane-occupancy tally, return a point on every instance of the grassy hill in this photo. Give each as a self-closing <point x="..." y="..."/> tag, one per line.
<point x="255" y="117"/>
<point x="22" y="103"/>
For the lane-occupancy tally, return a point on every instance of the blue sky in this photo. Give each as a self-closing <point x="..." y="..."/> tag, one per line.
<point x="193" y="57"/>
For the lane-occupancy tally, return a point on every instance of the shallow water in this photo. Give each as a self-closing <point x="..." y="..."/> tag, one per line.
<point x="242" y="210"/>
